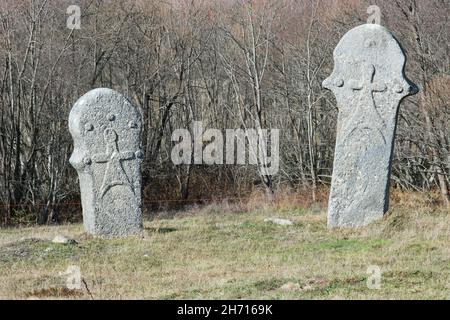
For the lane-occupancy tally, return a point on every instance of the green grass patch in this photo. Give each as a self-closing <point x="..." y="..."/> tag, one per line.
<point x="235" y="256"/>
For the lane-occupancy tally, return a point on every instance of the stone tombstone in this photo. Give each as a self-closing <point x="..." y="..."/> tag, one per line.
<point x="368" y="82"/>
<point x="107" y="155"/>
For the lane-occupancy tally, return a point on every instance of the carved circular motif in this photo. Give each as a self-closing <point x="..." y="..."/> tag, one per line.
<point x="111" y="117"/>
<point x="88" y="126"/>
<point x="339" y="83"/>
<point x="399" y="89"/>
<point x="139" y="154"/>
<point x="87" y="161"/>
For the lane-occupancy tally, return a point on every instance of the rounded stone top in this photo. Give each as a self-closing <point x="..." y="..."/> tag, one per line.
<point x="374" y="46"/>
<point x="101" y="105"/>
<point x="368" y="38"/>
<point x="94" y="93"/>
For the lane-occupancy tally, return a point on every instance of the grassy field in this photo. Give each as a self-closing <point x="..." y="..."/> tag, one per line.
<point x="215" y="254"/>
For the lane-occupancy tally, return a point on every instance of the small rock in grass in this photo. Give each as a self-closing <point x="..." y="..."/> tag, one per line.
<point x="290" y="286"/>
<point x="281" y="222"/>
<point x="307" y="287"/>
<point x="63" y="240"/>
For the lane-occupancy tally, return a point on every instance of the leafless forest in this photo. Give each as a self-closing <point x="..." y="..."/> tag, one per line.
<point x="229" y="63"/>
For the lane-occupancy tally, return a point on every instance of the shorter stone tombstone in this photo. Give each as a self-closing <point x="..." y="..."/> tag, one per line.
<point x="107" y="155"/>
<point x="368" y="81"/>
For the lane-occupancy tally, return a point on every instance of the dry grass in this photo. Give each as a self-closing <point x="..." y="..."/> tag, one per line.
<point x="218" y="252"/>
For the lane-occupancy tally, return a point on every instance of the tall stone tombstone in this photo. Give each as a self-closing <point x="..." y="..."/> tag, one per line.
<point x="369" y="83"/>
<point x="107" y="155"/>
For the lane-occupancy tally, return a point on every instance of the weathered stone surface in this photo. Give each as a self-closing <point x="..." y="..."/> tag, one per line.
<point x="107" y="155"/>
<point x="369" y="82"/>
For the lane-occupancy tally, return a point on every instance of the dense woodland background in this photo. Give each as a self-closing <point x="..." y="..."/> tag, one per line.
<point x="231" y="64"/>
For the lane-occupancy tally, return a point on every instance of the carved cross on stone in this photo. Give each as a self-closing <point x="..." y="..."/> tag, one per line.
<point x="114" y="173"/>
<point x="367" y="87"/>
<point x="368" y="83"/>
<point x="110" y="181"/>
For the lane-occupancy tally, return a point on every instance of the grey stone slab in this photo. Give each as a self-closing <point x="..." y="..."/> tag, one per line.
<point x="369" y="83"/>
<point x="107" y="155"/>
